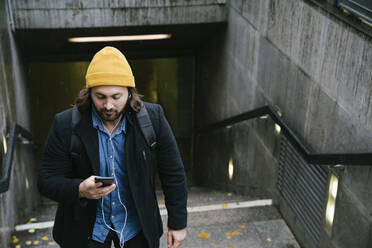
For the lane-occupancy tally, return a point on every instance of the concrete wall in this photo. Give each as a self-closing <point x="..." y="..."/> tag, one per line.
<point x="43" y="14"/>
<point x="318" y="71"/>
<point x="22" y="195"/>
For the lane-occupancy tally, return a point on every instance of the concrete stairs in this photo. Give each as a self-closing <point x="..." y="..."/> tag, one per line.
<point x="216" y="219"/>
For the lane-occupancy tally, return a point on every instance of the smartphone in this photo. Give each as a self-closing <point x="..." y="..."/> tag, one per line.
<point x="106" y="181"/>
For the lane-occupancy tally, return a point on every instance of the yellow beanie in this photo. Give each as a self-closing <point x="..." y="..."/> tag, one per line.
<point x="109" y="67"/>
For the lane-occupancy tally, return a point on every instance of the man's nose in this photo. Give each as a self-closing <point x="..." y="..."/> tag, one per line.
<point x="108" y="105"/>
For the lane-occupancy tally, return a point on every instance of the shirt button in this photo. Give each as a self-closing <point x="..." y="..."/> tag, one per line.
<point x="112" y="217"/>
<point x="113" y="203"/>
<point x="110" y="156"/>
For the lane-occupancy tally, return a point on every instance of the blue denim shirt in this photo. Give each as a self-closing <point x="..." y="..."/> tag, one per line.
<point x="114" y="212"/>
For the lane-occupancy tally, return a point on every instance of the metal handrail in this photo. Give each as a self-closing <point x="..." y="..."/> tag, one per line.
<point x="307" y="153"/>
<point x="18" y="135"/>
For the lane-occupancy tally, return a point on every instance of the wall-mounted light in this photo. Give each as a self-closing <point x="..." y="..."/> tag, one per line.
<point x="5" y="147"/>
<point x="120" y="38"/>
<point x="231" y="169"/>
<point x="27" y="184"/>
<point x="366" y="22"/>
<point x="331" y="203"/>
<point x="277" y="129"/>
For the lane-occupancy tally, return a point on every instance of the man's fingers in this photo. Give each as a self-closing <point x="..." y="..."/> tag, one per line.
<point x="177" y="243"/>
<point x="97" y="185"/>
<point x="173" y="242"/>
<point x="97" y="193"/>
<point x="92" y="190"/>
<point x="170" y="240"/>
<point x="108" y="189"/>
<point x="101" y="192"/>
<point x="176" y="238"/>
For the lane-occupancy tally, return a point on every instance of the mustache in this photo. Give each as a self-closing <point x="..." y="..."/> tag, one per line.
<point x="109" y="115"/>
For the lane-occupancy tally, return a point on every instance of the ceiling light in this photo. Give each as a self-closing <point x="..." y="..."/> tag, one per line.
<point x="120" y="38"/>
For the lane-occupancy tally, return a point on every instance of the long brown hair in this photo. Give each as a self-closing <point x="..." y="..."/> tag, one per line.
<point x="83" y="100"/>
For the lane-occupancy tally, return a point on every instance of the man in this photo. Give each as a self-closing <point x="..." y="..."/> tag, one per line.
<point x="107" y="140"/>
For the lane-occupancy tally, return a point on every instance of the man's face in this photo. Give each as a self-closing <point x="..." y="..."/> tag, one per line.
<point x="109" y="101"/>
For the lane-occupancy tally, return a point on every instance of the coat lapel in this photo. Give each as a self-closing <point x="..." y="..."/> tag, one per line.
<point x="88" y="134"/>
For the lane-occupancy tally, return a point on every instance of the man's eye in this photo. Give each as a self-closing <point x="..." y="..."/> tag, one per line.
<point x="100" y="97"/>
<point x="116" y="97"/>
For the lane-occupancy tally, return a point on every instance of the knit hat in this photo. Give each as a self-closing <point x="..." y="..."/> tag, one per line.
<point x="109" y="67"/>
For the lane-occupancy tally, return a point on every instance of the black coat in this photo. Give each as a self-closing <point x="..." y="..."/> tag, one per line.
<point x="61" y="173"/>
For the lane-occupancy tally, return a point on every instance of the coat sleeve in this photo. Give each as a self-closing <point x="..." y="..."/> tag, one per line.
<point x="172" y="174"/>
<point x="55" y="173"/>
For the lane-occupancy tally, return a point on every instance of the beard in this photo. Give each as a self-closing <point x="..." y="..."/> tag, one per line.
<point x="109" y="115"/>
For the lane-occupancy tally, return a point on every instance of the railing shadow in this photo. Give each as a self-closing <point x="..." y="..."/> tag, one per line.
<point x="16" y="135"/>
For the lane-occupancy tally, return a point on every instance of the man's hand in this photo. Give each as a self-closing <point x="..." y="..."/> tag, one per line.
<point x="176" y="237"/>
<point x="91" y="190"/>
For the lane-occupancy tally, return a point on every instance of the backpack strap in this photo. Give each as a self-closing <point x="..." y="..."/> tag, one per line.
<point x="75" y="143"/>
<point x="148" y="132"/>
<point x="146" y="127"/>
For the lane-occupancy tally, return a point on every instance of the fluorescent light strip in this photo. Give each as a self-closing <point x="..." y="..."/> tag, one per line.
<point x="120" y="38"/>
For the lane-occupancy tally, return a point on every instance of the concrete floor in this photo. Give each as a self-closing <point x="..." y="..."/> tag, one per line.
<point x="255" y="227"/>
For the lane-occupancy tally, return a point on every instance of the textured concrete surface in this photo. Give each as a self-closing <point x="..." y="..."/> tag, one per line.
<point x="87" y="13"/>
<point x="317" y="70"/>
<point x="314" y="67"/>
<point x="14" y="102"/>
<point x="258" y="227"/>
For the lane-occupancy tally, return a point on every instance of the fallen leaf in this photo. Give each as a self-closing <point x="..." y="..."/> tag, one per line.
<point x="33" y="219"/>
<point x="29" y="222"/>
<point x="225" y="205"/>
<point x="15" y="239"/>
<point x="36" y="242"/>
<point x="28" y="242"/>
<point x="212" y="244"/>
<point x="242" y="226"/>
<point x="269" y="239"/>
<point x="228" y="235"/>
<point x="235" y="233"/>
<point x="190" y="230"/>
<point x="202" y="222"/>
<point x="18" y="246"/>
<point x="31" y="230"/>
<point x="229" y="194"/>
<point x="203" y="235"/>
<point x="233" y="246"/>
<point x="52" y="243"/>
<point x="45" y="238"/>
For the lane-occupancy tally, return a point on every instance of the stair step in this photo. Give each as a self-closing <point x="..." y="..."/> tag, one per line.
<point x="263" y="234"/>
<point x="229" y="221"/>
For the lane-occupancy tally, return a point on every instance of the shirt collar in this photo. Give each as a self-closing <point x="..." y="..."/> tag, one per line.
<point x="97" y="123"/>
